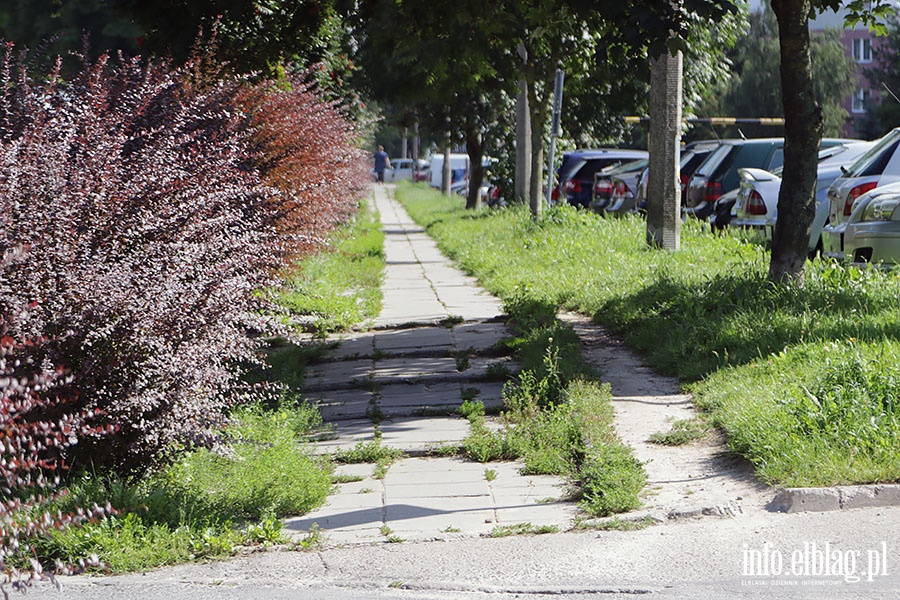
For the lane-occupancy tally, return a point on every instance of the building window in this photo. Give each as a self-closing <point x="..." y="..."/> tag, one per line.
<point x="861" y="100"/>
<point x="862" y="50"/>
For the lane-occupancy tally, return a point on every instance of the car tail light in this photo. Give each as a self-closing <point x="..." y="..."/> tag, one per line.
<point x="603" y="187"/>
<point x="755" y="204"/>
<point x="712" y="191"/>
<point x="621" y="189"/>
<point x="856" y="193"/>
<point x="573" y="186"/>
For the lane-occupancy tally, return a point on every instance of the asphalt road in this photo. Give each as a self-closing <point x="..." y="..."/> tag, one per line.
<point x="848" y="554"/>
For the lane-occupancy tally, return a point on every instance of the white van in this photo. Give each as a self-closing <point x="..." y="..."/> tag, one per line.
<point x="459" y="169"/>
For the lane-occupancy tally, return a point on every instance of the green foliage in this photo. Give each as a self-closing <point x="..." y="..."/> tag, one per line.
<point x="748" y="339"/>
<point x="367" y="452"/>
<point x="754" y="88"/>
<point x="682" y="432"/>
<point x="204" y="506"/>
<point x="522" y="529"/>
<point x="340" y="288"/>
<point x="815" y="414"/>
<point x="610" y="480"/>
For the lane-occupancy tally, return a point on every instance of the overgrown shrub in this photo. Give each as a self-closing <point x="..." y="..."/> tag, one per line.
<point x="154" y="205"/>
<point x="30" y="458"/>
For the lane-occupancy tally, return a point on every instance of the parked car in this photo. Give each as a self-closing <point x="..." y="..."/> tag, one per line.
<point x="692" y="155"/>
<point x="756" y="206"/>
<point x="877" y="167"/>
<point x="718" y="174"/>
<point x="612" y="190"/>
<point x="755" y="154"/>
<point x="871" y="234"/>
<point x="576" y="173"/>
<point x="400" y="169"/>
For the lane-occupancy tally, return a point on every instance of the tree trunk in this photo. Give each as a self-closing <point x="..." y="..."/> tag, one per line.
<point x="803" y="124"/>
<point x="538" y="121"/>
<point x="446" y="171"/>
<point x="664" y="187"/>
<point x="475" y="150"/>
<point x="523" y="146"/>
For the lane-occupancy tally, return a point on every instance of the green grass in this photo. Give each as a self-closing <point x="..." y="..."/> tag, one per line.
<point x="367" y="452"/>
<point x="341" y="288"/>
<point x="684" y="431"/>
<point x="206" y="505"/>
<point x="522" y="529"/>
<point x="560" y="426"/>
<point x="706" y="314"/>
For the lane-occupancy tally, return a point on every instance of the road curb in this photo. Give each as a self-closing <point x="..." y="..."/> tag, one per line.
<point x="792" y="500"/>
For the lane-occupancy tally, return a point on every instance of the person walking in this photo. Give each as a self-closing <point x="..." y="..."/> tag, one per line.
<point x="382" y="162"/>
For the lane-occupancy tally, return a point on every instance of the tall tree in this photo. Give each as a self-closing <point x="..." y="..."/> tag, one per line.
<point x="754" y="90"/>
<point x="885" y="73"/>
<point x="803" y="127"/>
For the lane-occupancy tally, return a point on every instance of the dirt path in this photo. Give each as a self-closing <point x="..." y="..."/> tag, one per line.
<point x="699" y="478"/>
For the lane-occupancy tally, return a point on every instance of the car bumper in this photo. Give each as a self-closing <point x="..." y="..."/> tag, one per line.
<point x="833" y="241"/>
<point x="873" y="242"/>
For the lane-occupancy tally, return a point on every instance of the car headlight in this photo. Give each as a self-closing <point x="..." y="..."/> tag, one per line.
<point x="881" y="209"/>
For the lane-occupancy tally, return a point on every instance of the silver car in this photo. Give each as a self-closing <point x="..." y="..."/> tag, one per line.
<point x="877" y="167"/>
<point x="872" y="233"/>
<point x="757" y="198"/>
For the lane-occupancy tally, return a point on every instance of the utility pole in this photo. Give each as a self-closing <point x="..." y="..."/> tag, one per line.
<point x="664" y="186"/>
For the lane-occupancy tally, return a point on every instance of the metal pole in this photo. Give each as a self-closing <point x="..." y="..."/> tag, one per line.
<point x="554" y="129"/>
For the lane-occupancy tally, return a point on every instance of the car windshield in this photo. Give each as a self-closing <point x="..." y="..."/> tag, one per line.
<point x="878" y="155"/>
<point x="635" y="165"/>
<point x="714" y="160"/>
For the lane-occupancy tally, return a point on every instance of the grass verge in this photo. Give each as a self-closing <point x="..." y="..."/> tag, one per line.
<point x="333" y="291"/>
<point x="206" y="505"/>
<point x="709" y="315"/>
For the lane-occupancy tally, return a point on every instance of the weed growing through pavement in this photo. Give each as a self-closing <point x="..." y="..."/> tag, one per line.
<point x="366" y="491"/>
<point x="452" y="320"/>
<point x="497" y="371"/>
<point x="313" y="539"/>
<point x="684" y="431"/>
<point x="451" y="529"/>
<point x="614" y="524"/>
<point x="367" y="452"/>
<point x="385" y="530"/>
<point x="490" y="474"/>
<point x="443" y="450"/>
<point x="381" y="468"/>
<point x="344" y="478"/>
<point x="522" y="529"/>
<point x="469" y="393"/>
<point x="462" y="361"/>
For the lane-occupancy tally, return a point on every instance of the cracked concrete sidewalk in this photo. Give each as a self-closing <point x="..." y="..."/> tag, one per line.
<point x="434" y="344"/>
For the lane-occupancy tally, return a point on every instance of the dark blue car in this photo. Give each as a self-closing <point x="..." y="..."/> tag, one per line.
<point x="576" y="173"/>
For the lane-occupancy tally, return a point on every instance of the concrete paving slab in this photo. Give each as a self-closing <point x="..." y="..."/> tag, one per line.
<point x="352" y="345"/>
<point x="423" y="434"/>
<point x="415" y="368"/>
<point x="449" y="490"/>
<point x="337" y="405"/>
<point x="559" y="514"/>
<point x="493" y="367"/>
<point x="353" y="470"/>
<point x="438" y="513"/>
<point x="479" y="335"/>
<point x="419" y="398"/>
<point x="489" y="392"/>
<point x="337" y="374"/>
<point x="350" y="433"/>
<point x="420" y="339"/>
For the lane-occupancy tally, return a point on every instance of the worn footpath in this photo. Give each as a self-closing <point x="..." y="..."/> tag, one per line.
<point x="434" y="345"/>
